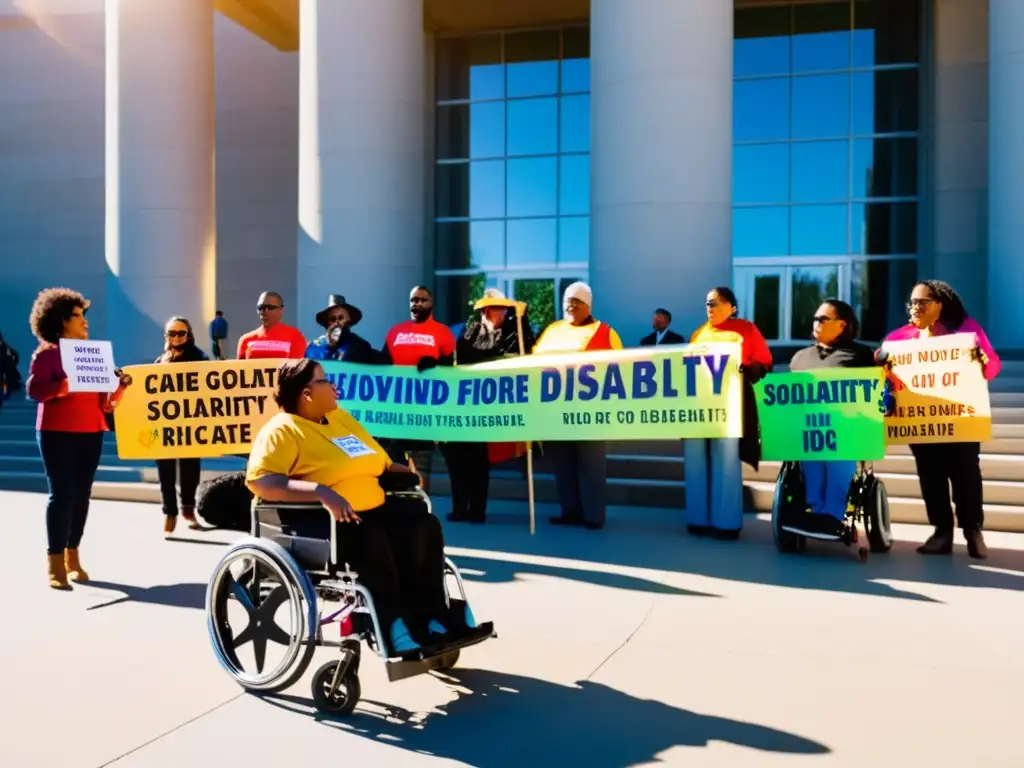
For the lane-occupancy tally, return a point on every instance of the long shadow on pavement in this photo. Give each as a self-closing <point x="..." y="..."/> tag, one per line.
<point x="501" y="720"/>
<point x="172" y="595"/>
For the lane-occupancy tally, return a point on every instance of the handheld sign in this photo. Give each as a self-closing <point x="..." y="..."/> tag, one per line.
<point x="89" y="365"/>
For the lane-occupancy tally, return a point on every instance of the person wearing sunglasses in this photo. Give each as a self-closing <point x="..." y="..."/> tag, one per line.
<point x="935" y="309"/>
<point x="273" y="339"/>
<point x="179" y="474"/>
<point x="713" y="468"/>
<point x="827" y="483"/>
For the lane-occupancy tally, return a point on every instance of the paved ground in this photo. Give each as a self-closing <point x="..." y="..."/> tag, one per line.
<point x="631" y="646"/>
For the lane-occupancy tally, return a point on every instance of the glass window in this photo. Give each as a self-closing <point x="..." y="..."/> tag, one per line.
<point x="878" y="292"/>
<point x="470" y="130"/>
<point x="820" y="171"/>
<point x="533" y="127"/>
<point x="761" y="45"/>
<point x="576" y="60"/>
<point x="455" y="295"/>
<point x="821" y="37"/>
<point x="470" y="68"/>
<point x="821" y="106"/>
<point x="768" y="305"/>
<point x="884" y="229"/>
<point x="809" y="287"/>
<point x="474" y="190"/>
<point x="886" y="32"/>
<point x="818" y="230"/>
<point x="574" y="185"/>
<point x="885" y="101"/>
<point x="574" y="240"/>
<point x="532" y="62"/>
<point x="461" y="244"/>
<point x="575" y="126"/>
<point x="885" y="168"/>
<point x="540" y="295"/>
<point x="760" y="173"/>
<point x="760" y="231"/>
<point x="533" y="187"/>
<point x="532" y="242"/>
<point x="761" y="109"/>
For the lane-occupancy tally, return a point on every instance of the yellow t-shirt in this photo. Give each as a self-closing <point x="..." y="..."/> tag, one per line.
<point x="563" y="336"/>
<point x="339" y="454"/>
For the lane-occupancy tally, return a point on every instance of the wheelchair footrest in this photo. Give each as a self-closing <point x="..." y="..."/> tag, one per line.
<point x="435" y="656"/>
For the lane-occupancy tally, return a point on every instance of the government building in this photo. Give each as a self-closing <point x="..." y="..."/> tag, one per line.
<point x="175" y="157"/>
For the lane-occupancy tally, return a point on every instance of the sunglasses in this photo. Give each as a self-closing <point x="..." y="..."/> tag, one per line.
<point x="822" y="319"/>
<point x="176" y="334"/>
<point x="916" y="303"/>
<point x="267" y="307"/>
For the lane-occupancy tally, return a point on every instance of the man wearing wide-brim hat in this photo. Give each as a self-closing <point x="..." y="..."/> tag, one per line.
<point x="339" y="342"/>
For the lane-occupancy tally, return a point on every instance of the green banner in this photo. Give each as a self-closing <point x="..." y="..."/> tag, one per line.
<point x="830" y="414"/>
<point x="633" y="394"/>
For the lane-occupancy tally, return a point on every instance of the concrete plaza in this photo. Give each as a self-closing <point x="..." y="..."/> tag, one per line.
<point x="635" y="645"/>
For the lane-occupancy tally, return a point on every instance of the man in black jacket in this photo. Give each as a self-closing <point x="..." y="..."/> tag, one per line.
<point x="340" y="343"/>
<point x="661" y="335"/>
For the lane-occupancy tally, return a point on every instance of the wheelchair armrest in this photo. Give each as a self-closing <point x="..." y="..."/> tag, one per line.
<point x="392" y="482"/>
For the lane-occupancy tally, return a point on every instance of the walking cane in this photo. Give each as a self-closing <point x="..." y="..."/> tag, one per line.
<point x="520" y="311"/>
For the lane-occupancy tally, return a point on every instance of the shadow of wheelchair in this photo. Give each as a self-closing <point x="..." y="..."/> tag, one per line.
<point x="499" y="720"/>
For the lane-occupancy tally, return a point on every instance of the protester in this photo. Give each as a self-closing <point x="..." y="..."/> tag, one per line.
<point x="315" y="452"/>
<point x="179" y="347"/>
<point x="827" y="483"/>
<point x="713" y="468"/>
<point x="273" y="339"/>
<point x="69" y="429"/>
<point x="338" y="318"/>
<point x="491" y="333"/>
<point x="218" y="335"/>
<point x="662" y="334"/>
<point x="937" y="310"/>
<point x="9" y="374"/>
<point x="580" y="465"/>
<point x="425" y="343"/>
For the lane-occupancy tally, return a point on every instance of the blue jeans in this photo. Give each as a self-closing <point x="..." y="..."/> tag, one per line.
<point x="826" y="486"/>
<point x="70" y="460"/>
<point x="714" y="483"/>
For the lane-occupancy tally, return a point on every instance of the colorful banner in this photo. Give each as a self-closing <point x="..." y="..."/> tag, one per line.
<point x="635" y="394"/>
<point x="941" y="392"/>
<point x="194" y="410"/>
<point x="831" y="414"/>
<point x="217" y="408"/>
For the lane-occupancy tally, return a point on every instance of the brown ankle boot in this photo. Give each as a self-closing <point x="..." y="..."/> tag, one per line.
<point x="170" y="523"/>
<point x="976" y="546"/>
<point x="57" y="572"/>
<point x="189" y="513"/>
<point x="74" y="566"/>
<point x="937" y="544"/>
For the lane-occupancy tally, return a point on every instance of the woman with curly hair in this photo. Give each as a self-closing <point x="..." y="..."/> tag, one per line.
<point x="179" y="347"/>
<point x="935" y="309"/>
<point x="69" y="429"/>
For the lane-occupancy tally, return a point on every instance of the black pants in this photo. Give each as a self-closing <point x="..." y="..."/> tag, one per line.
<point x="398" y="552"/>
<point x="70" y="460"/>
<point x="581" y="477"/>
<point x="174" y="473"/>
<point x="941" y="465"/>
<point x="469" y="467"/>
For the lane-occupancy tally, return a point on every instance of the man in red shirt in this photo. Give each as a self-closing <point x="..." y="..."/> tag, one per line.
<point x="273" y="339"/>
<point x="424" y="343"/>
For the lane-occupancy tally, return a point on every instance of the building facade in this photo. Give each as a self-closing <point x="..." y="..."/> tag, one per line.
<point x="176" y="158"/>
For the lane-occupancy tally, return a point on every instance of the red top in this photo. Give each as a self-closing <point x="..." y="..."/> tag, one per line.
<point x="755" y="348"/>
<point x="279" y="342"/>
<point x="409" y="341"/>
<point x="60" y="410"/>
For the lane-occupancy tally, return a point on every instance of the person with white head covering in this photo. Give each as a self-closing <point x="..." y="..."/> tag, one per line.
<point x="580" y="466"/>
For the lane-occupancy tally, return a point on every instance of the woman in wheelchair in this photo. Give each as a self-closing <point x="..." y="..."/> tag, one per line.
<point x="827" y="483"/>
<point x="315" y="452"/>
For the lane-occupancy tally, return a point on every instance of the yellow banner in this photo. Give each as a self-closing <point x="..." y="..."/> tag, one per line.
<point x="942" y="395"/>
<point x="195" y="409"/>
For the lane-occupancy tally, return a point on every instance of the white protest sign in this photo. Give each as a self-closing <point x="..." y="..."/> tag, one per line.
<point x="89" y="365"/>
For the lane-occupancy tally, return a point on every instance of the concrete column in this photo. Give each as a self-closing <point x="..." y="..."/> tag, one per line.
<point x="959" y="167"/>
<point x="1006" y="172"/>
<point x="661" y="164"/>
<point x="362" y="158"/>
<point x="160" y="240"/>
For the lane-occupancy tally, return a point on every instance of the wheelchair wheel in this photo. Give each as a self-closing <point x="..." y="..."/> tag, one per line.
<point x="787" y="493"/>
<point x="254" y="585"/>
<point x="337" y="700"/>
<point x="449" y="660"/>
<point x="876" y="515"/>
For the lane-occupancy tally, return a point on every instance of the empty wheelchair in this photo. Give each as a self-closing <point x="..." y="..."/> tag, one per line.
<point x="279" y="593"/>
<point x="867" y="507"/>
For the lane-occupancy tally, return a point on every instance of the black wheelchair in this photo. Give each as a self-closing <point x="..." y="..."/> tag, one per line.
<point x="867" y="507"/>
<point x="275" y="574"/>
